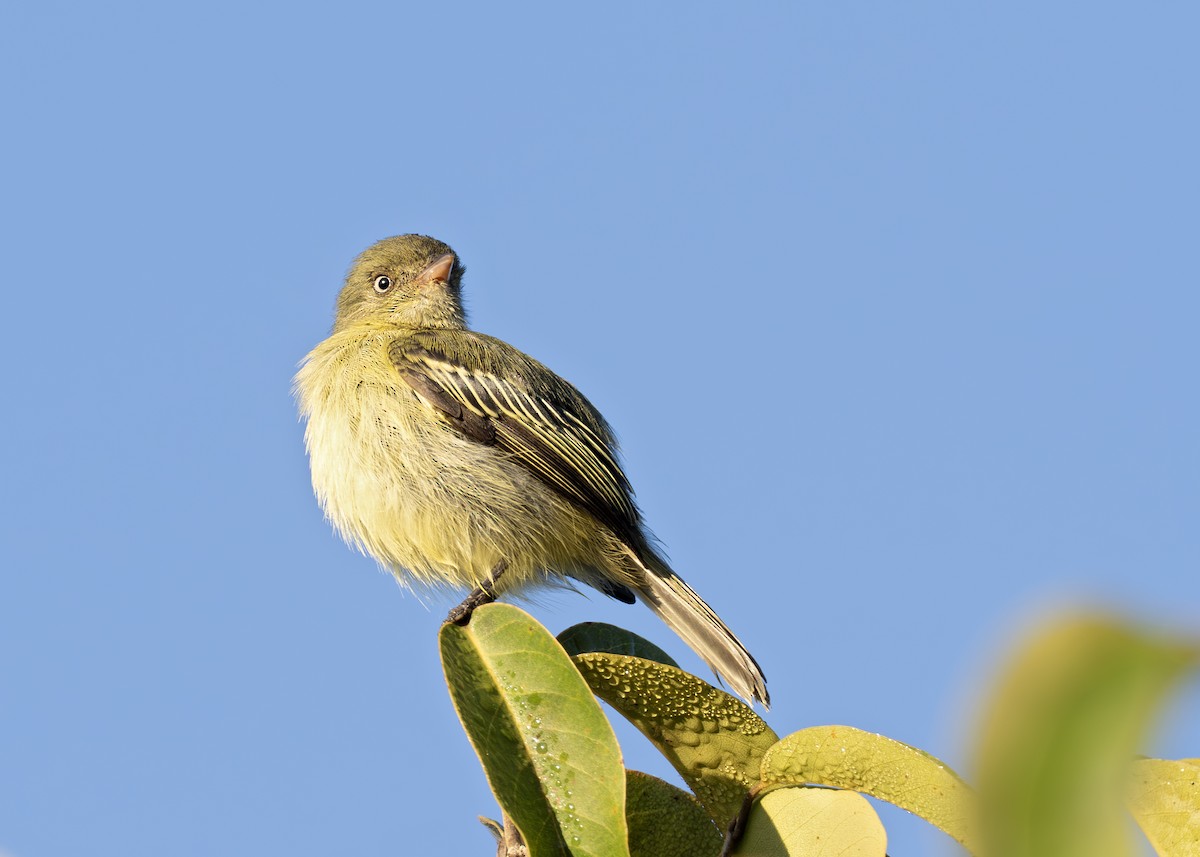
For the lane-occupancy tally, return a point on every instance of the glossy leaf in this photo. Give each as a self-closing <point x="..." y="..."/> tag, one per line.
<point x="714" y="740"/>
<point x="602" y="637"/>
<point x="810" y="822"/>
<point x="548" y="751"/>
<point x="1164" y="797"/>
<point x="849" y="758"/>
<point x="666" y="821"/>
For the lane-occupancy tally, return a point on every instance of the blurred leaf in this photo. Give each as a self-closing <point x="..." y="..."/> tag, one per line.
<point x="1061" y="732"/>
<point x="812" y="822"/>
<point x="1164" y="797"/>
<point x="665" y="821"/>
<point x="849" y="758"/>
<point x="602" y="637"/>
<point x="548" y="751"/>
<point x="714" y="740"/>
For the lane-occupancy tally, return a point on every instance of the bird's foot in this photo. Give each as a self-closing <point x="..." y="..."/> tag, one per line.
<point x="485" y="593"/>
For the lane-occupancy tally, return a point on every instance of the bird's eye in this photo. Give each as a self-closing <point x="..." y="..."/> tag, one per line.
<point x="382" y="284"/>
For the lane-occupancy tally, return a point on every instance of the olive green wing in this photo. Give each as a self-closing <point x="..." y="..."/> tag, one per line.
<point x="498" y="396"/>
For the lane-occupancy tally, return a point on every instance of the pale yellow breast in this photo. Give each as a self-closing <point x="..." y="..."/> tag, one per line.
<point x="400" y="485"/>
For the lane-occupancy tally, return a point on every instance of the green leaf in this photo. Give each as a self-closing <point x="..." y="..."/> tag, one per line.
<point x="1061" y="732"/>
<point x="714" y="740"/>
<point x="548" y="751"/>
<point x="808" y="822"/>
<point x="1164" y="797"/>
<point x="602" y="637"/>
<point x="849" y="758"/>
<point x="665" y="821"/>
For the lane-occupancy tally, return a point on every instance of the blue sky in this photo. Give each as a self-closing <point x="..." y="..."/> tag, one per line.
<point x="893" y="306"/>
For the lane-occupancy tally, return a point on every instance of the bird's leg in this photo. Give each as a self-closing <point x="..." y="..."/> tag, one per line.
<point x="485" y="593"/>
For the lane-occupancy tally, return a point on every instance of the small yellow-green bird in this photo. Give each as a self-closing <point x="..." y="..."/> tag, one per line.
<point x="454" y="459"/>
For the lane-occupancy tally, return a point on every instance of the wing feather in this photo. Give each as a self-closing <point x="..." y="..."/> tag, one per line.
<point x="530" y="413"/>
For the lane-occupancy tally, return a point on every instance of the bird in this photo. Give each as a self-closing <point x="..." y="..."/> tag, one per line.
<point x="456" y="460"/>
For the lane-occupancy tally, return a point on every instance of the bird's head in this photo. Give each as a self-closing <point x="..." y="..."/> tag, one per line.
<point x="407" y="281"/>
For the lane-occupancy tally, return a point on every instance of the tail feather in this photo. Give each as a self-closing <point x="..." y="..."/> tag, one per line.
<point x="687" y="615"/>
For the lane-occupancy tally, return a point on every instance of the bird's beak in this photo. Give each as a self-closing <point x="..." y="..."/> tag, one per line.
<point x="438" y="271"/>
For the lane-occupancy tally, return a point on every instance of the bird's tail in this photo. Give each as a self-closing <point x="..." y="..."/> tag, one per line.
<point x="697" y="625"/>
